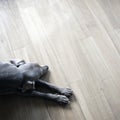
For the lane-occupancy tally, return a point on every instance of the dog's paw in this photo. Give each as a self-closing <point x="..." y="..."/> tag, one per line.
<point x="66" y="91"/>
<point x="62" y="99"/>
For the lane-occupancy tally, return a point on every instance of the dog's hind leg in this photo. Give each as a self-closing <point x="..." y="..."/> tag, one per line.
<point x="64" y="91"/>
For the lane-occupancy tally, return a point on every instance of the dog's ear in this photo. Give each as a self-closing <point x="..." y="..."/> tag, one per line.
<point x="17" y="62"/>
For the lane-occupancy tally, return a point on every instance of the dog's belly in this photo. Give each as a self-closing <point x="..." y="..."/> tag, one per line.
<point x="10" y="76"/>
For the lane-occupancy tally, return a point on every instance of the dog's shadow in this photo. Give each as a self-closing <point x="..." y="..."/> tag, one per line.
<point x="13" y="106"/>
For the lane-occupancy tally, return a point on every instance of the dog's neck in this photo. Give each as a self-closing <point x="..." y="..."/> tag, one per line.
<point x="28" y="85"/>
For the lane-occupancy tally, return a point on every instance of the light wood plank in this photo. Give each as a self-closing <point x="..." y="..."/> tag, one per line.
<point x="79" y="40"/>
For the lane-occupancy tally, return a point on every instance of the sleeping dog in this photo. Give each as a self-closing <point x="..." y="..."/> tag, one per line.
<point x="19" y="77"/>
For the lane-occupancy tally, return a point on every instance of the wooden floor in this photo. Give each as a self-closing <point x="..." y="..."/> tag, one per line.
<point x="80" y="41"/>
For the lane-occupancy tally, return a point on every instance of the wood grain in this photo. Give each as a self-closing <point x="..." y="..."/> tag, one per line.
<point x="80" y="41"/>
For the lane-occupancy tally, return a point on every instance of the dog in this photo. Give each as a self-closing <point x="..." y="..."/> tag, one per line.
<point x="21" y="78"/>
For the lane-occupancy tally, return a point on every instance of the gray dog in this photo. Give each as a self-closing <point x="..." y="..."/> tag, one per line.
<point x="19" y="77"/>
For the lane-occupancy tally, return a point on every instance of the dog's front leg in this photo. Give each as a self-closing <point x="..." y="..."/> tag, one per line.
<point x="64" y="91"/>
<point x="54" y="97"/>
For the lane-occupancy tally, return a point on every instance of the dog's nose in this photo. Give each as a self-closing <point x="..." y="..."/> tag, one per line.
<point x="47" y="67"/>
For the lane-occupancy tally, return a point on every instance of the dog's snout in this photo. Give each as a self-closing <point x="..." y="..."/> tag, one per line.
<point x="44" y="69"/>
